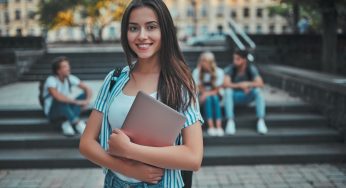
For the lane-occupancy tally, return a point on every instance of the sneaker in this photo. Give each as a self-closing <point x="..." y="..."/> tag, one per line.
<point x="67" y="129"/>
<point x="219" y="132"/>
<point x="261" y="127"/>
<point x="230" y="127"/>
<point x="80" y="127"/>
<point x="212" y="132"/>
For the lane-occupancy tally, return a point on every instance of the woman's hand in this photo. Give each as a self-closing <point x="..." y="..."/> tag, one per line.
<point x="119" y="143"/>
<point x="144" y="172"/>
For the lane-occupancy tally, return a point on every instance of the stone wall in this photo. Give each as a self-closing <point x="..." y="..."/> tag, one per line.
<point x="326" y="92"/>
<point x="303" y="51"/>
<point x="13" y="63"/>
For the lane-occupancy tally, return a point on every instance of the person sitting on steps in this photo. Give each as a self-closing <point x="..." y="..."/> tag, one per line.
<point x="242" y="85"/>
<point x="58" y="104"/>
<point x="209" y="79"/>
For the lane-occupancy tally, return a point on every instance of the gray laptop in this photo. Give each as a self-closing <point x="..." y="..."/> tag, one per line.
<point x="152" y="123"/>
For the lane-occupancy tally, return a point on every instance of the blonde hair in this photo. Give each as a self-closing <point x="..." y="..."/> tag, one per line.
<point x="210" y="59"/>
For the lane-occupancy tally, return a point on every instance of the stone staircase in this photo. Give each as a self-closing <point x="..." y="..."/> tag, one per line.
<point x="95" y="65"/>
<point x="297" y="134"/>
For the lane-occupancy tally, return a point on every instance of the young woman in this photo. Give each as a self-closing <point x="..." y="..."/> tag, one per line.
<point x="209" y="79"/>
<point x="148" y="37"/>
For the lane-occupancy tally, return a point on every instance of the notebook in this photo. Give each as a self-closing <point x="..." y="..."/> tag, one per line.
<point x="152" y="123"/>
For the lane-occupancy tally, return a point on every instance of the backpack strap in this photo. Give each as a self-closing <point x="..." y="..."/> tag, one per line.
<point x="247" y="72"/>
<point x="115" y="75"/>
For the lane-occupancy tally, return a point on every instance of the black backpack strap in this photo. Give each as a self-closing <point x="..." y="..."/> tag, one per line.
<point x="115" y="75"/>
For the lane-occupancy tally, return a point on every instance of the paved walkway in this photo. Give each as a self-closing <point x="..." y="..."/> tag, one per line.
<point x="258" y="176"/>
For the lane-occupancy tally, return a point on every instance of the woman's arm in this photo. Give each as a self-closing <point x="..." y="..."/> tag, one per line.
<point x="185" y="157"/>
<point x="91" y="149"/>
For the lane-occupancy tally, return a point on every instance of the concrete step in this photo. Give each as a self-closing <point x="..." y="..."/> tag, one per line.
<point x="271" y="107"/>
<point x="213" y="155"/>
<point x="84" y="64"/>
<point x="82" y="76"/>
<point x="276" y="135"/>
<point x="244" y="121"/>
<point x="274" y="154"/>
<point x="294" y="135"/>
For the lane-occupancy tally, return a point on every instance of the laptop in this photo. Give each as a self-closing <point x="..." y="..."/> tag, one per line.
<point x="152" y="123"/>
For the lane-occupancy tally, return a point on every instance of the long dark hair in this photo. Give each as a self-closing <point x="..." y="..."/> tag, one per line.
<point x="176" y="87"/>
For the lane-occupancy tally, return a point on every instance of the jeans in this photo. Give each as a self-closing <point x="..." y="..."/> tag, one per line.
<point x="233" y="97"/>
<point x="112" y="181"/>
<point x="212" y="107"/>
<point x="70" y="112"/>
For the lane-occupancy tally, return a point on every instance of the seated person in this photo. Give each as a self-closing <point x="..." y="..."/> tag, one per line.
<point x="209" y="79"/>
<point x="57" y="101"/>
<point x="242" y="85"/>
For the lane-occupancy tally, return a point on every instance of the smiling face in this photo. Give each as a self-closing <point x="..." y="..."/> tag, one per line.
<point x="143" y="34"/>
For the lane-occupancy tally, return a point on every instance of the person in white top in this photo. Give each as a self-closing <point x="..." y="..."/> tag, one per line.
<point x="58" y="102"/>
<point x="209" y="79"/>
<point x="148" y="37"/>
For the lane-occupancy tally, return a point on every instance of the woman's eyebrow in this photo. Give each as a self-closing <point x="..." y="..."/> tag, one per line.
<point x="150" y="22"/>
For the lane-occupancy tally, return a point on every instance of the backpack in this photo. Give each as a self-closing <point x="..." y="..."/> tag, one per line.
<point x="41" y="97"/>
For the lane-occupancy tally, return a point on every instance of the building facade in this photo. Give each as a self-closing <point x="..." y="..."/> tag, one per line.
<point x="17" y="18"/>
<point x="192" y="17"/>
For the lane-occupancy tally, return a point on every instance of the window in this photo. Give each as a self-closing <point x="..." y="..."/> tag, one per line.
<point x="246" y="28"/>
<point x="220" y="10"/>
<point x="233" y="14"/>
<point x="31" y="32"/>
<point x="70" y="33"/>
<point x="246" y="12"/>
<point x="19" y="32"/>
<point x="112" y="32"/>
<point x="259" y="29"/>
<point x="204" y="10"/>
<point x="31" y="14"/>
<point x="190" y="11"/>
<point x="259" y="12"/>
<point x="7" y="18"/>
<point x="189" y="30"/>
<point x="271" y="29"/>
<point x="284" y="29"/>
<point x="204" y="29"/>
<point x="17" y="15"/>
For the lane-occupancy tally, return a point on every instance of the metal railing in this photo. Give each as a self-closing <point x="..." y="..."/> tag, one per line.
<point x="234" y="30"/>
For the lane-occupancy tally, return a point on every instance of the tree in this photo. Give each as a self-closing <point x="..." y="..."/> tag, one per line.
<point x="326" y="13"/>
<point x="92" y="16"/>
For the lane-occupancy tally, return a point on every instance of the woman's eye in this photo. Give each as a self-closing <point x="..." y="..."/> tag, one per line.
<point x="151" y="27"/>
<point x="133" y="29"/>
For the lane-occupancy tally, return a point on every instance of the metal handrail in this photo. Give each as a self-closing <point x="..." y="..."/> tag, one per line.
<point x="234" y="27"/>
<point x="251" y="43"/>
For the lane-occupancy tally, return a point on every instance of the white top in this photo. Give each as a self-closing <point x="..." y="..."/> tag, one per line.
<point x="118" y="111"/>
<point x="172" y="177"/>
<point x="61" y="87"/>
<point x="219" y="77"/>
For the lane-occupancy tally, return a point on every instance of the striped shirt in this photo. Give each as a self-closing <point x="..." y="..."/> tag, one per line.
<point x="172" y="177"/>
